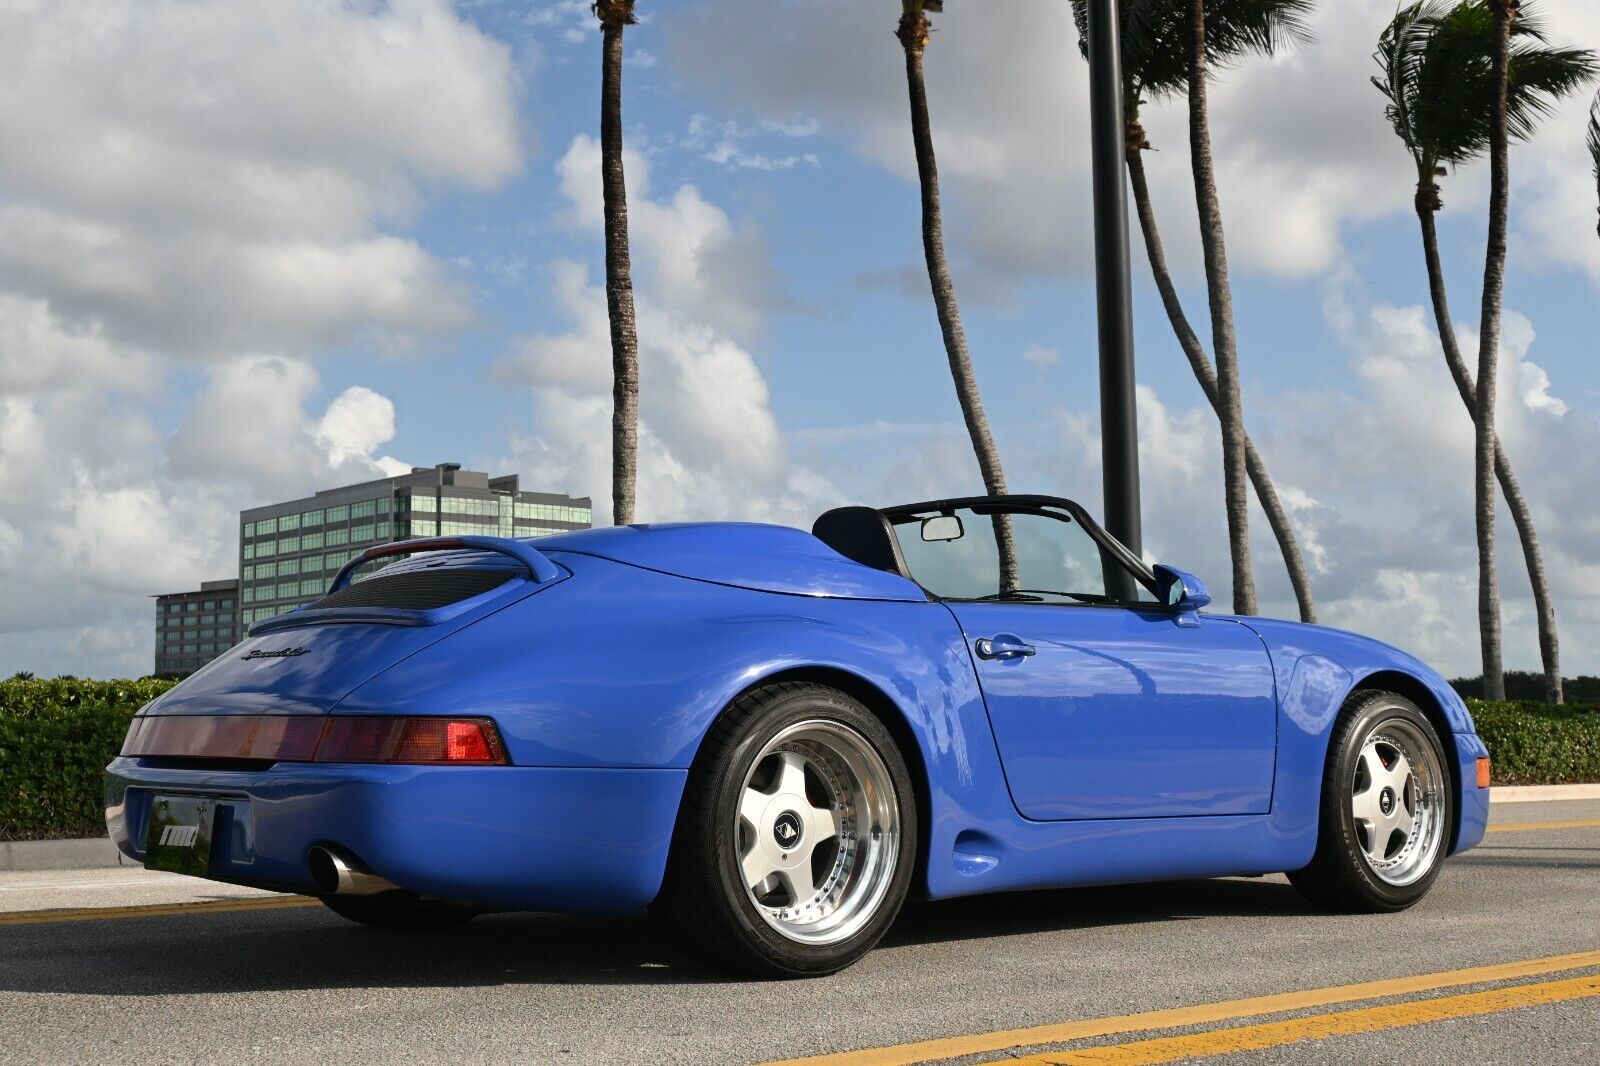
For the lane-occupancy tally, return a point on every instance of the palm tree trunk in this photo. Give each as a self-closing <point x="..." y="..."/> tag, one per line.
<point x="913" y="35"/>
<point x="1521" y="514"/>
<point x="1224" y="342"/>
<point x="619" y="270"/>
<point x="1277" y="518"/>
<point x="1494" y="276"/>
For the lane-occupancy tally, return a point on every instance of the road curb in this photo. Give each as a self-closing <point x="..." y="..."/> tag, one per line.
<point x="1542" y="793"/>
<point x="93" y="853"/>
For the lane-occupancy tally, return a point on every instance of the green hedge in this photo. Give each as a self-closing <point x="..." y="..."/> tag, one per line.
<point x="56" y="737"/>
<point x="1536" y="744"/>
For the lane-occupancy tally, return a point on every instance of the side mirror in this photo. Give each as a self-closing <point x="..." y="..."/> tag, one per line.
<point x="942" y="527"/>
<point x="1180" y="590"/>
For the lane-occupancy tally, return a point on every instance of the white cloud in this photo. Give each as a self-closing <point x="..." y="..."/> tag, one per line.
<point x="1301" y="143"/>
<point x="209" y="181"/>
<point x="209" y="177"/>
<point x="709" y="445"/>
<point x="1041" y="355"/>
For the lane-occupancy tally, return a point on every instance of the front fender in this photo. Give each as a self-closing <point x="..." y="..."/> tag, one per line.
<point x="1317" y="669"/>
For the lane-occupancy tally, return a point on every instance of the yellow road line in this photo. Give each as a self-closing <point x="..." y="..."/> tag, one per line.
<point x="1201" y="1014"/>
<point x="155" y="910"/>
<point x="1527" y="827"/>
<point x="1322" y="1026"/>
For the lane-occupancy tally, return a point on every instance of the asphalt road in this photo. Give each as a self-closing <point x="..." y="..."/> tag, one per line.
<point x="259" y="978"/>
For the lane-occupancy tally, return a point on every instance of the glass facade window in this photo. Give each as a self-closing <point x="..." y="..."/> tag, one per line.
<point x="424" y="503"/>
<point x="361" y="533"/>
<point x="191" y="606"/>
<point x="288" y="523"/>
<point x="288" y="590"/>
<point x="227" y="605"/>
<point x="249" y="551"/>
<point x="208" y="605"/>
<point x="249" y="529"/>
<point x="337" y="536"/>
<point x="310" y="541"/>
<point x="311" y="588"/>
<point x="382" y="530"/>
<point x="312" y="518"/>
<point x="288" y="567"/>
<point x="265" y="571"/>
<point x="266" y="526"/>
<point x="338" y="514"/>
<point x="364" y="509"/>
<point x="288" y="544"/>
<point x="248" y="595"/>
<point x="266" y="549"/>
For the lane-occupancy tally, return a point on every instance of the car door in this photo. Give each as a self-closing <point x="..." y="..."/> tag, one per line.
<point x="1111" y="709"/>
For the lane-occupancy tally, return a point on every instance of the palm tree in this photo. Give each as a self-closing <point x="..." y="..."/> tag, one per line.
<point x="1594" y="143"/>
<point x="1203" y="48"/>
<point x="614" y="15"/>
<point x="913" y="32"/>
<point x="1155" y="65"/>
<point x="1437" y="64"/>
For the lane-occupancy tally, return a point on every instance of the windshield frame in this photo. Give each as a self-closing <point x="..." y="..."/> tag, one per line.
<point x="1046" y="507"/>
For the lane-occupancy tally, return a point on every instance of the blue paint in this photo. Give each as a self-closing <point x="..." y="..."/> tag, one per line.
<point x="1133" y="744"/>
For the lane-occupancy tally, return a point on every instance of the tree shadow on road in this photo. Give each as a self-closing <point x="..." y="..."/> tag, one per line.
<point x="295" y="948"/>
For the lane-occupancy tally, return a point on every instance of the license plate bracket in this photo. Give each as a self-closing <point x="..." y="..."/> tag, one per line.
<point x="178" y="834"/>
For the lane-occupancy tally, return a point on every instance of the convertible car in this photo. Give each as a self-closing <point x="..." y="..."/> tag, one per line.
<point x="771" y="738"/>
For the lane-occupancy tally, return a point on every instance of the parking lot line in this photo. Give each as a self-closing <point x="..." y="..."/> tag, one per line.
<point x="155" y="910"/>
<point x="1322" y="1026"/>
<point x="1527" y="827"/>
<point x="1201" y="1014"/>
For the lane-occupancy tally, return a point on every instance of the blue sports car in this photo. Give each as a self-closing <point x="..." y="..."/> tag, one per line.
<point x="771" y="738"/>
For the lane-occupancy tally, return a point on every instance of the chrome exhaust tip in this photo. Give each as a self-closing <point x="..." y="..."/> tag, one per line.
<point x="338" y="873"/>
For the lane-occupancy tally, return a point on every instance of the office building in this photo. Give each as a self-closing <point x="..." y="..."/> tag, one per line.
<point x="290" y="551"/>
<point x="192" y="628"/>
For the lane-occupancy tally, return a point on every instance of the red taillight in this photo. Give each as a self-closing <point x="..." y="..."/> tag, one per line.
<point x="306" y="738"/>
<point x="429" y="741"/>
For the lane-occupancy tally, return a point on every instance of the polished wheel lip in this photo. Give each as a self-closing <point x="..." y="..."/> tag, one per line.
<point x="1398" y="797"/>
<point x="836" y="874"/>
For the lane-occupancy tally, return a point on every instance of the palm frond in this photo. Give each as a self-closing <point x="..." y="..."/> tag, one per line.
<point x="1436" y="60"/>
<point x="1594" y="139"/>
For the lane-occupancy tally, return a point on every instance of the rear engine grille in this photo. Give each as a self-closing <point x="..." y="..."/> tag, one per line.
<point x="417" y="590"/>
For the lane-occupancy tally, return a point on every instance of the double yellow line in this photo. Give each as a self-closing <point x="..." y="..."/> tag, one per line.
<point x="1255" y="1036"/>
<point x="156" y="910"/>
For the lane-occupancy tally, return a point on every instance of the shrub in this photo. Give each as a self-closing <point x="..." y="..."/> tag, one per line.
<point x="1536" y="744"/>
<point x="56" y="736"/>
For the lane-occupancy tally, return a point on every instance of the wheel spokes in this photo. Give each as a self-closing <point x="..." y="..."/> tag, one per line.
<point x="790" y="779"/>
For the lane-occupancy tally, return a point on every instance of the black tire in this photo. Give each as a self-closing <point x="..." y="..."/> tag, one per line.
<point x="399" y="910"/>
<point x="1341" y="877"/>
<point x="704" y="904"/>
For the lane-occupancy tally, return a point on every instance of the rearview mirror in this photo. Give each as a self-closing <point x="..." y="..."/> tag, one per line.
<point x="1180" y="590"/>
<point x="942" y="527"/>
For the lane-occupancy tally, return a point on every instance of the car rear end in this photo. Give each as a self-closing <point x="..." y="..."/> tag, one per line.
<point x="251" y="771"/>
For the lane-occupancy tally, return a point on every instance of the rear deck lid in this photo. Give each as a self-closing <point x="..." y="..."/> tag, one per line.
<point x="383" y="607"/>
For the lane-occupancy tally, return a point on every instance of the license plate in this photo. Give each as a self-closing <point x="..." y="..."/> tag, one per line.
<point x="178" y="837"/>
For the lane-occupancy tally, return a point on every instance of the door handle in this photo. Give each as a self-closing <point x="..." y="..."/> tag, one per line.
<point x="1003" y="646"/>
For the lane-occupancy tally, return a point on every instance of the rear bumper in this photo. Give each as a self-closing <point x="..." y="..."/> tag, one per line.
<point x="536" y="838"/>
<point x="1474" y="818"/>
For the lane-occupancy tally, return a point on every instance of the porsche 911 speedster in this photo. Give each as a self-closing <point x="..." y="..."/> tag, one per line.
<point x="771" y="738"/>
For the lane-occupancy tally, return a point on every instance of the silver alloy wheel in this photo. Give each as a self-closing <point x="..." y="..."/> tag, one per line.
<point x="1398" y="799"/>
<point x="818" y="832"/>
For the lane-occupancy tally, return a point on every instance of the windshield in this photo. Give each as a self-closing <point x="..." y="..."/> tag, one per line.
<point x="956" y="556"/>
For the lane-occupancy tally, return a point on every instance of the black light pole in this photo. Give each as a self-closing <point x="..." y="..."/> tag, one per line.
<point x="1119" y="419"/>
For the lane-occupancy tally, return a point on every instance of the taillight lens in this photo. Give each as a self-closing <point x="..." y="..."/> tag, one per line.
<point x="303" y="738"/>
<point x="427" y="741"/>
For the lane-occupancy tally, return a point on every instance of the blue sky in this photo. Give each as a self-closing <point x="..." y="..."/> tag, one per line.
<point x="355" y="235"/>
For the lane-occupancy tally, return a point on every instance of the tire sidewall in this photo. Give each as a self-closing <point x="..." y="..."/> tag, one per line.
<point x="729" y="774"/>
<point x="1340" y="819"/>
